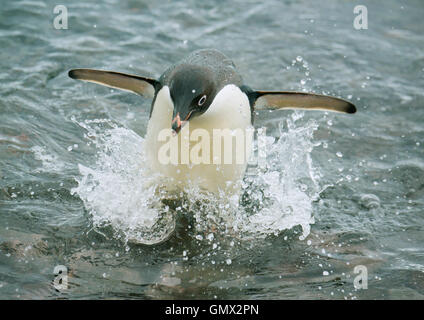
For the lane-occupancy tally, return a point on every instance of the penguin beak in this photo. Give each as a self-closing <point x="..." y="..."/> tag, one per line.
<point x="179" y="121"/>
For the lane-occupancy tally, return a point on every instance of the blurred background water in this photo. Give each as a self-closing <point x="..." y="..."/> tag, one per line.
<point x="356" y="194"/>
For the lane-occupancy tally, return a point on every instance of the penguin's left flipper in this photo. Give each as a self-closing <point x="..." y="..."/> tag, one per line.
<point x="298" y="100"/>
<point x="140" y="85"/>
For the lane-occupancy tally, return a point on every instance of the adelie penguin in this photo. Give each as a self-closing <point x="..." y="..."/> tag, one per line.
<point x="204" y="93"/>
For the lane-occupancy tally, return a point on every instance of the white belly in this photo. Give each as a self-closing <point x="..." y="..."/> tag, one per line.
<point x="216" y="171"/>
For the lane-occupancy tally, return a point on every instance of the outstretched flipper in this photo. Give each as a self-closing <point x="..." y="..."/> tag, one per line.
<point x="140" y="85"/>
<point x="298" y="100"/>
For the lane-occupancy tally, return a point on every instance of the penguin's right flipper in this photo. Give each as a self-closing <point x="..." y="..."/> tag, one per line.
<point x="140" y="85"/>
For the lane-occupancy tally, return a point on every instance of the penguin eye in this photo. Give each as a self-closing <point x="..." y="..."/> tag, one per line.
<point x="202" y="100"/>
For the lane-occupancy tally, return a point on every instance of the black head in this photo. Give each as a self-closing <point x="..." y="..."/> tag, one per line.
<point x="192" y="91"/>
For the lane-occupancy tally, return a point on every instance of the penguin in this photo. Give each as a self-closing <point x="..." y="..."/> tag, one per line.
<point x="202" y="103"/>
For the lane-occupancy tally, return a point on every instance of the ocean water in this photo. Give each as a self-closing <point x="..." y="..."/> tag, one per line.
<point x="339" y="191"/>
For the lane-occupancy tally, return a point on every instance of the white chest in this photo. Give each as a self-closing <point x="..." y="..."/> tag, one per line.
<point x="220" y="138"/>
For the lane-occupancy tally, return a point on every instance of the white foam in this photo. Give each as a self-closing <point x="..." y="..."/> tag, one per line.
<point x="120" y="191"/>
<point x="50" y="162"/>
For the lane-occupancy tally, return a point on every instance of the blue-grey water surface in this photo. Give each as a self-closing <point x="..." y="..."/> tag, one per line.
<point x="367" y="205"/>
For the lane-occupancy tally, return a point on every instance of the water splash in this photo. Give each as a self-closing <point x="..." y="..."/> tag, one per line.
<point x="120" y="191"/>
<point x="289" y="184"/>
<point x="50" y="162"/>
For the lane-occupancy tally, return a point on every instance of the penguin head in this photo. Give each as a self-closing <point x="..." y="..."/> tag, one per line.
<point x="192" y="90"/>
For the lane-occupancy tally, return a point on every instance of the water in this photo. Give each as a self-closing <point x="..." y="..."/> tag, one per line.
<point x="339" y="191"/>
